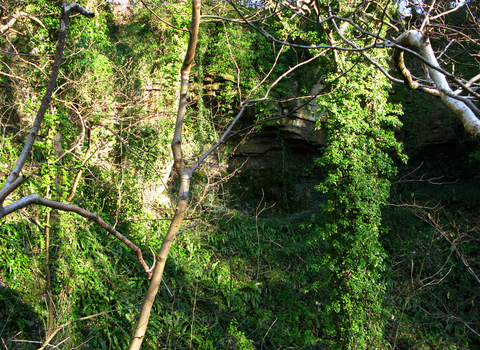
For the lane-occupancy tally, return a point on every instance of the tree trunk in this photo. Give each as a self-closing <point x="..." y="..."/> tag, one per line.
<point x="460" y="106"/>
<point x="183" y="194"/>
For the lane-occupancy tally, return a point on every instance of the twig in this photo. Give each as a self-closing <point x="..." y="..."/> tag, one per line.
<point x="21" y="54"/>
<point x="168" y="290"/>
<point x="154" y="259"/>
<point x="122" y="141"/>
<point x="160" y="18"/>
<point x="263" y="340"/>
<point x="47" y="341"/>
<point x="465" y="324"/>
<point x="190" y="226"/>
<point x="137" y="155"/>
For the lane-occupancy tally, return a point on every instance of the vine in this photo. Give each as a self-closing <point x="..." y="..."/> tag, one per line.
<point x="359" y="138"/>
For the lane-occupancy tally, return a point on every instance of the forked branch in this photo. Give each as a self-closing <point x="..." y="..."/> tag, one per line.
<point x="416" y="40"/>
<point x="9" y="185"/>
<point x="183" y="194"/>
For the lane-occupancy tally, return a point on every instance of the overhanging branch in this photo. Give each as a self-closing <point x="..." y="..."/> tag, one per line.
<point x="464" y="109"/>
<point x="36" y="199"/>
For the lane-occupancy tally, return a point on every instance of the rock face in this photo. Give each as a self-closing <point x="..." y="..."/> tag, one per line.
<point x="427" y="121"/>
<point x="298" y="130"/>
<point x="293" y="133"/>
<point x="278" y="162"/>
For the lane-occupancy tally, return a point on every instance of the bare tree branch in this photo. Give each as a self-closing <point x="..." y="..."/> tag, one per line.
<point x="78" y="8"/>
<point x="122" y="141"/>
<point x="66" y="324"/>
<point x="161" y="19"/>
<point x="417" y="40"/>
<point x="36" y="199"/>
<point x="7" y="187"/>
<point x="15" y="18"/>
<point x="190" y="226"/>
<point x="219" y="142"/>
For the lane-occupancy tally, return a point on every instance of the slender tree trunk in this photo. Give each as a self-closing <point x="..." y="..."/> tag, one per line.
<point x="50" y="306"/>
<point x="14" y="179"/>
<point x="183" y="194"/>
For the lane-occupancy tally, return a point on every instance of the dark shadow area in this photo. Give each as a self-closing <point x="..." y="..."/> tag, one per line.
<point x="20" y="325"/>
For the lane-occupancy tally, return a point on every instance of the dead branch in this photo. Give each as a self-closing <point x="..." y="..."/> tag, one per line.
<point x="16" y="17"/>
<point x="190" y="226"/>
<point x="66" y="324"/>
<point x="161" y="19"/>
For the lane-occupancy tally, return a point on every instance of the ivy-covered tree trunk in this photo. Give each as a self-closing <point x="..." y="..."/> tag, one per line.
<point x="358" y="129"/>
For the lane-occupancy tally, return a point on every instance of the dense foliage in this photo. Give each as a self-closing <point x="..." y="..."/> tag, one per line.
<point x="359" y="132"/>
<point x="347" y="271"/>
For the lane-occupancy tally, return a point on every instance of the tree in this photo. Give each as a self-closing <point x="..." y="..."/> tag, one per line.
<point x="356" y="184"/>
<point x="15" y="181"/>
<point x="185" y="176"/>
<point x="358" y="121"/>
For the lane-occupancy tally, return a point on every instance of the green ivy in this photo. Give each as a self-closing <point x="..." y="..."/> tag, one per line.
<point x="360" y="139"/>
